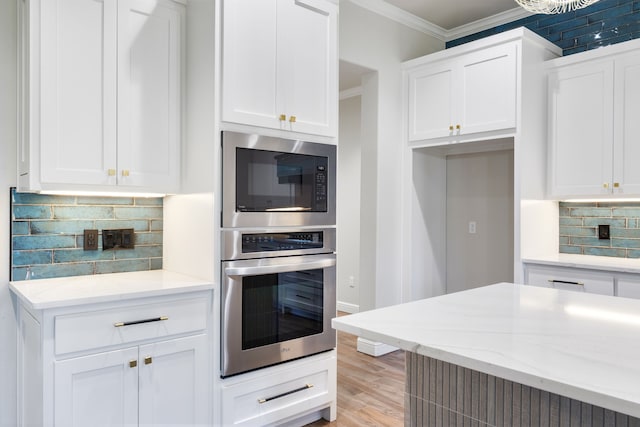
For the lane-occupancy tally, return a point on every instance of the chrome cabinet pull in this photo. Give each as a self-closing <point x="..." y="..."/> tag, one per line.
<point x="268" y="399"/>
<point x="565" y="282"/>
<point x="137" y="322"/>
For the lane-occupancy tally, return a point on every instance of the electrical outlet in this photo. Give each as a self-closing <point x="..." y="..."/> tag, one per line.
<point x="90" y="240"/>
<point x="472" y="227"/>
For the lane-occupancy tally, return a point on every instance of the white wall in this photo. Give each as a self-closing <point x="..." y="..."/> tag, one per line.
<point x="348" y="221"/>
<point x="479" y="189"/>
<point x="380" y="44"/>
<point x="7" y="179"/>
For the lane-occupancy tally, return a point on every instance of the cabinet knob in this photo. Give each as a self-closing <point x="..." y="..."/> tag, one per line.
<point x="457" y="127"/>
<point x="605" y="185"/>
<point x="283" y="117"/>
<point x="451" y="127"/>
<point x="616" y="185"/>
<point x="111" y="172"/>
<point x="148" y="360"/>
<point x="292" y="119"/>
<point x="125" y="172"/>
<point x="133" y="363"/>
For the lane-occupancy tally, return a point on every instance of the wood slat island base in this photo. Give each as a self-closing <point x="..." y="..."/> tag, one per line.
<point x="442" y="394"/>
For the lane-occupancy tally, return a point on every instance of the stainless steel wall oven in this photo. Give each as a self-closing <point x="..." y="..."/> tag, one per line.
<point x="278" y="296"/>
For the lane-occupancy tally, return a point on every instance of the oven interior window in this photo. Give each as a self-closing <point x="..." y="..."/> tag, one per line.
<point x="270" y="181"/>
<point x="281" y="307"/>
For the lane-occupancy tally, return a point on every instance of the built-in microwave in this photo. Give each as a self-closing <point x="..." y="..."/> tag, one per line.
<point x="277" y="182"/>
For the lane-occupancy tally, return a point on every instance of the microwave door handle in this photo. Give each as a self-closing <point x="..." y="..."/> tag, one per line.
<point x="271" y="269"/>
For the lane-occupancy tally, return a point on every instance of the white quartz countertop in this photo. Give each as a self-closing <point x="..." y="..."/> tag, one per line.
<point x="68" y="291"/>
<point x="583" y="346"/>
<point x="589" y="262"/>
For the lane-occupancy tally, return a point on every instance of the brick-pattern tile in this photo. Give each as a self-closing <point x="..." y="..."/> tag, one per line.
<point x="603" y="23"/>
<point x="48" y="234"/>
<point x="579" y="229"/>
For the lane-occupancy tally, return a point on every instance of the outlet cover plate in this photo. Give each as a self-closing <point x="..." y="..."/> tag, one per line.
<point x="118" y="239"/>
<point x="603" y="232"/>
<point x="90" y="240"/>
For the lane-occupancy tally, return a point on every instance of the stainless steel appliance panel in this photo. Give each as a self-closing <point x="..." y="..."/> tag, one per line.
<point x="277" y="182"/>
<point x="255" y="329"/>
<point x="233" y="247"/>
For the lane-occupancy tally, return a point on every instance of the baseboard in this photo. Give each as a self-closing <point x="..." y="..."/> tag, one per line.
<point x="373" y="348"/>
<point x="347" y="307"/>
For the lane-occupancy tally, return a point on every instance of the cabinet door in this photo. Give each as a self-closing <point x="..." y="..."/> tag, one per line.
<point x="629" y="287"/>
<point x="101" y="389"/>
<point x="78" y="91"/>
<point x="431" y="102"/>
<point x="174" y="382"/>
<point x="627" y="125"/>
<point x="149" y="108"/>
<point x="486" y="91"/>
<point x="581" y="129"/>
<point x="249" y="75"/>
<point x="308" y="65"/>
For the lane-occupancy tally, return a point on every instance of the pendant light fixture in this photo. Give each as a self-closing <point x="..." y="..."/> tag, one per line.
<point x="553" y="6"/>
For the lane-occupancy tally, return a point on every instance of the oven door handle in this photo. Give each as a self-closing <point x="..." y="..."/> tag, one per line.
<point x="282" y="268"/>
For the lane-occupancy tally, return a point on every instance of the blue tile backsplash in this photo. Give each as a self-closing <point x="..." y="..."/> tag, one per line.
<point x="603" y="23"/>
<point x="47" y="234"/>
<point x="579" y="229"/>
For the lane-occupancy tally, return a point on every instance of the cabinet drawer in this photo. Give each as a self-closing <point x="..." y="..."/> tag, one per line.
<point x="571" y="279"/>
<point x="84" y="331"/>
<point x="279" y="395"/>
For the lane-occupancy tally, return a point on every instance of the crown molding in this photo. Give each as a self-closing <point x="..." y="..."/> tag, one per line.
<point x="401" y="16"/>
<point x="487" y="23"/>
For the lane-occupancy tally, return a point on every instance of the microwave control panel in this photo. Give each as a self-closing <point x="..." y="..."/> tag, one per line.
<point x="321" y="188"/>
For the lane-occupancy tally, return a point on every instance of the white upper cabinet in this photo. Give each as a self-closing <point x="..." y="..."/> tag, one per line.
<point x="279" y="65"/>
<point x="100" y="95"/>
<point x="626" y="124"/>
<point x="463" y="94"/>
<point x="581" y="127"/>
<point x="593" y="124"/>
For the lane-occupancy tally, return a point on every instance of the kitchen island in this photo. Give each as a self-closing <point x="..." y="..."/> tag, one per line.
<point x="510" y="355"/>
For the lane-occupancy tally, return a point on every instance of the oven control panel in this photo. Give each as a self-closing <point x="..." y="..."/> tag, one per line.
<point x="270" y="242"/>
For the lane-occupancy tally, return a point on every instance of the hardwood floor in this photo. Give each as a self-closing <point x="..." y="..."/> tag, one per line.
<point x="370" y="389"/>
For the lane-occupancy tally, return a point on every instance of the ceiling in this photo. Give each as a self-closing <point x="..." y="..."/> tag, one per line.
<point x="445" y="19"/>
<point x="449" y="14"/>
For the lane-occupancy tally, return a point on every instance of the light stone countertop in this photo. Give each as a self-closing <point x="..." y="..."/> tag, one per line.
<point x="583" y="346"/>
<point x="69" y="291"/>
<point x="588" y="262"/>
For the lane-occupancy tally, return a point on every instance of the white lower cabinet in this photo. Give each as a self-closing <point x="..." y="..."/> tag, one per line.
<point x="604" y="282"/>
<point x="149" y="366"/>
<point x="101" y="387"/>
<point x="281" y="394"/>
<point x="570" y="279"/>
<point x="628" y="286"/>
